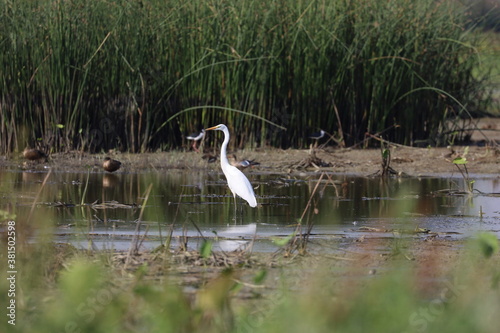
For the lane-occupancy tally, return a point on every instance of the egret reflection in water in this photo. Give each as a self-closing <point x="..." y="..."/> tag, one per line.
<point x="180" y="199"/>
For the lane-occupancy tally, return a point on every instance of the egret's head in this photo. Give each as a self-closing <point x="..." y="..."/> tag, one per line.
<point x="219" y="127"/>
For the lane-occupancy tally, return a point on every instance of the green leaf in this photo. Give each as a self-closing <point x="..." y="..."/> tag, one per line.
<point x="466" y="151"/>
<point x="460" y="160"/>
<point x="206" y="249"/>
<point x="282" y="241"/>
<point x="5" y="215"/>
<point x="260" y="276"/>
<point x="385" y="154"/>
<point x="59" y="125"/>
<point x="488" y="243"/>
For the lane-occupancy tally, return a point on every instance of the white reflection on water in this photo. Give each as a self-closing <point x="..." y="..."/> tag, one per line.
<point x="183" y="199"/>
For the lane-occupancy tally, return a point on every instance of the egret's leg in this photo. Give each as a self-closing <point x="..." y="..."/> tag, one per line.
<point x="242" y="203"/>
<point x="235" y="207"/>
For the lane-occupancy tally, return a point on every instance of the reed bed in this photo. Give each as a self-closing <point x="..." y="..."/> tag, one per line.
<point x="97" y="75"/>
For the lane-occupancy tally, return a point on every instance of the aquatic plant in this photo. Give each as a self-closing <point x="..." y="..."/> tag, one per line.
<point x="461" y="163"/>
<point x="69" y="290"/>
<point x="99" y="75"/>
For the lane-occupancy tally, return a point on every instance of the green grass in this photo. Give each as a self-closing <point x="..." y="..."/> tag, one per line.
<point x="490" y="53"/>
<point x="99" y="75"/>
<point x="71" y="291"/>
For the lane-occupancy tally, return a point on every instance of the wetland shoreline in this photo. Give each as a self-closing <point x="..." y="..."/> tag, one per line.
<point x="344" y="265"/>
<point x="363" y="162"/>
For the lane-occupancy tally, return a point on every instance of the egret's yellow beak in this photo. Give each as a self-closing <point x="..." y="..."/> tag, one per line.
<point x="212" y="128"/>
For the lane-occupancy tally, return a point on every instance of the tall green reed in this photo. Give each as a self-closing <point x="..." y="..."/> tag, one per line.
<point x="100" y="75"/>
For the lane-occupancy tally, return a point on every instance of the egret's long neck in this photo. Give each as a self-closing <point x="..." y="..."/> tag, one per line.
<point x="223" y="154"/>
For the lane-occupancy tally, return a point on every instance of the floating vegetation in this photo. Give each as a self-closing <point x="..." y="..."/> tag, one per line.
<point x="97" y="205"/>
<point x="114" y="205"/>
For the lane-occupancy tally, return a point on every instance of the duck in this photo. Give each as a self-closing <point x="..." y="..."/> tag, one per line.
<point x="32" y="154"/>
<point x="211" y="158"/>
<point x="111" y="165"/>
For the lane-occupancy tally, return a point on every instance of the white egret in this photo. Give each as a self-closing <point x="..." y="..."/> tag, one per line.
<point x="238" y="183"/>
<point x="195" y="137"/>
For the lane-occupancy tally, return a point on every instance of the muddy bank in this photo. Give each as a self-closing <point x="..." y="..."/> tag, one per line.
<point x="483" y="157"/>
<point x="407" y="160"/>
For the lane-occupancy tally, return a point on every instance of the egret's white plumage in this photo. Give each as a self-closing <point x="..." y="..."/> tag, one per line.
<point x="238" y="183"/>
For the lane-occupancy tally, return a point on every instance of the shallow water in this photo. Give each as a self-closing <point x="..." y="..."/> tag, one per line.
<point x="198" y="204"/>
